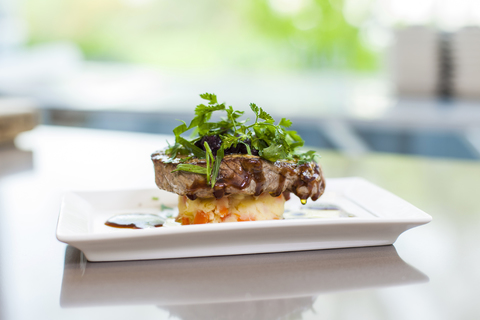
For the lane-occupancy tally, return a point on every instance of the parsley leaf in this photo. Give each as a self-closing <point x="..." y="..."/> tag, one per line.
<point x="285" y="122"/>
<point x="209" y="96"/>
<point x="274" y="153"/>
<point x="260" y="113"/>
<point x="272" y="142"/>
<point x="308" y="156"/>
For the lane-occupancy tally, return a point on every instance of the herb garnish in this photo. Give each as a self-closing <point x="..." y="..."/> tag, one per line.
<point x="271" y="142"/>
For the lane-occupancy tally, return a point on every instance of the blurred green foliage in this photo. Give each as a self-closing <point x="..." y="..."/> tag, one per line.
<point x="247" y="34"/>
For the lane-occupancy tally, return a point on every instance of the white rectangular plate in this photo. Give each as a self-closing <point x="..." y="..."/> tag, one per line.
<point x="377" y="217"/>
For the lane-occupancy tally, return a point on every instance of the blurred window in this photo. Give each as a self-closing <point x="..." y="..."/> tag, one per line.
<point x="290" y="34"/>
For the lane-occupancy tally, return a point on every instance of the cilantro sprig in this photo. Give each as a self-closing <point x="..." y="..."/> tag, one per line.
<point x="272" y="141"/>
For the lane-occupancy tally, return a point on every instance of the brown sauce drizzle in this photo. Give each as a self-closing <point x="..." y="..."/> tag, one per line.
<point x="219" y="190"/>
<point x="297" y="187"/>
<point x="307" y="181"/>
<point x="197" y="184"/>
<point x="135" y="221"/>
<point x="306" y="184"/>
<point x="254" y="167"/>
<point x="250" y="169"/>
<point x="281" y="182"/>
<point x="320" y="184"/>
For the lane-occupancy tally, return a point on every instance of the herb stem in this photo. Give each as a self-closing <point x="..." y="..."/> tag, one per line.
<point x="233" y="122"/>
<point x="210" y="160"/>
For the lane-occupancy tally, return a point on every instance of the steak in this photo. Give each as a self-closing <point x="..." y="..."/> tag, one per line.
<point x="240" y="173"/>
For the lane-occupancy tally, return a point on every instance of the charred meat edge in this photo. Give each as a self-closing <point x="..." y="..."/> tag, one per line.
<point x="241" y="173"/>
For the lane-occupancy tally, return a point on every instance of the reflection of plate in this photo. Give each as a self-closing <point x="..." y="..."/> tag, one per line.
<point x="377" y="217"/>
<point x="14" y="160"/>
<point x="225" y="281"/>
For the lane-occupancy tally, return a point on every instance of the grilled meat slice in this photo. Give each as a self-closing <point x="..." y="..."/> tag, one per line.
<point x="241" y="173"/>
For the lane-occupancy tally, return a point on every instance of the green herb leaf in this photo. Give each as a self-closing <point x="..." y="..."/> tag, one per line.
<point x="191" y="168"/>
<point x="273" y="142"/>
<point x="180" y="129"/>
<point x="216" y="168"/>
<point x="261" y="113"/>
<point x="164" y="207"/>
<point x="285" y="122"/>
<point x="274" y="153"/>
<point x="306" y="157"/>
<point x="228" y="140"/>
<point x="183" y="160"/>
<point x="210" y="161"/>
<point x="174" y="151"/>
<point x="212" y="98"/>
<point x="199" y="153"/>
<point x="202" y="109"/>
<point x="249" y="151"/>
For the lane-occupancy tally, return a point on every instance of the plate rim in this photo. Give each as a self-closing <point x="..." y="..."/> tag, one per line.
<point x="419" y="218"/>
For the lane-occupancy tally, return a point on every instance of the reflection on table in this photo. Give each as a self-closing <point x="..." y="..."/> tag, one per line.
<point x="36" y="282"/>
<point x="14" y="160"/>
<point x="241" y="286"/>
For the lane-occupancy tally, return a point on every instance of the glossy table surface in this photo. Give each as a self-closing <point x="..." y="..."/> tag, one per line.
<point x="431" y="272"/>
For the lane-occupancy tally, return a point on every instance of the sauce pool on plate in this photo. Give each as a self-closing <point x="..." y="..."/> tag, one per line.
<point x="135" y="221"/>
<point x="148" y="220"/>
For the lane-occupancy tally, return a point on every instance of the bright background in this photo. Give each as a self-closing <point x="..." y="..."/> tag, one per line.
<point x="332" y="66"/>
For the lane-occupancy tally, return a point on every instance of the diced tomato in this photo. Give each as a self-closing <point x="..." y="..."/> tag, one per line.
<point x="226" y="217"/>
<point x="200" y="218"/>
<point x="240" y="218"/>
<point x="185" y="221"/>
<point x="222" y="206"/>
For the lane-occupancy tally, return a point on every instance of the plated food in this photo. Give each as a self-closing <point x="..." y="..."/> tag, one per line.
<point x="369" y="216"/>
<point x="244" y="172"/>
<point x="234" y="170"/>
